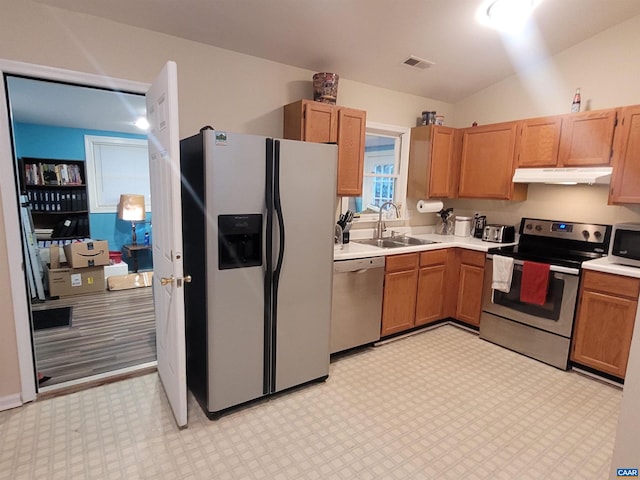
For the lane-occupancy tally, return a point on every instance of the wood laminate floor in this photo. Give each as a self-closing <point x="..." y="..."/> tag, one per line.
<point x="109" y="331"/>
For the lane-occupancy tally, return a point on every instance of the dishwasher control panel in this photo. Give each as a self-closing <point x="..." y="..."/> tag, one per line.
<point x="341" y="266"/>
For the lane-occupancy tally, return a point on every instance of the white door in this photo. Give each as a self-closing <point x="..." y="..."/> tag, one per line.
<point x="168" y="284"/>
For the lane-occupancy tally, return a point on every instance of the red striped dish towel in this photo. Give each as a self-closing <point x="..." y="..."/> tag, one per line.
<point x="535" y="283"/>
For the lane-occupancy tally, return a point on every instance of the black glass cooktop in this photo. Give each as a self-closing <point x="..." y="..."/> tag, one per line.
<point x="566" y="244"/>
<point x="570" y="259"/>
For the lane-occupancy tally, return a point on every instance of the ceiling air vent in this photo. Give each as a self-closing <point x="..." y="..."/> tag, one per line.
<point x="416" y="62"/>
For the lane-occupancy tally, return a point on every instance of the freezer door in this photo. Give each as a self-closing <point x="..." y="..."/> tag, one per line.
<point x="308" y="199"/>
<point x="235" y="187"/>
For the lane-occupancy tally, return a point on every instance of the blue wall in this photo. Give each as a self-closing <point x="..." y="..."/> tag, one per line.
<point x="44" y="141"/>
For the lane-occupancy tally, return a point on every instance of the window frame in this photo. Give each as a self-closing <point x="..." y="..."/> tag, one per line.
<point x="94" y="171"/>
<point x="403" y="134"/>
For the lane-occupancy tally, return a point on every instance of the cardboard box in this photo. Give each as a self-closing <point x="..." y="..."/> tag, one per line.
<point x="116" y="269"/>
<point x="131" y="280"/>
<point x="65" y="281"/>
<point x="87" y="254"/>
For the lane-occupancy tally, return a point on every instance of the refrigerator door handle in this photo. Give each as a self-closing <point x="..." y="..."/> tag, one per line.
<point x="277" y="207"/>
<point x="268" y="274"/>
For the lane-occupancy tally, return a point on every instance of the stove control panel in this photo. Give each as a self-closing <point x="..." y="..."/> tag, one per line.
<point x="583" y="232"/>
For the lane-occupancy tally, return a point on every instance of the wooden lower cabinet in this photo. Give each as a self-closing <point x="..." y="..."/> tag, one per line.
<point x="424" y="287"/>
<point x="432" y="285"/>
<point x="399" y="299"/>
<point x="470" y="281"/>
<point x="604" y="322"/>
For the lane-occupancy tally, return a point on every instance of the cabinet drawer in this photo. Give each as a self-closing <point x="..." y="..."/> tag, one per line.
<point x="407" y="261"/>
<point x="470" y="257"/>
<point x="609" y="283"/>
<point x="434" y="257"/>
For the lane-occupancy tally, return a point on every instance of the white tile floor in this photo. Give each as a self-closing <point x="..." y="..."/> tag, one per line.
<point x="439" y="405"/>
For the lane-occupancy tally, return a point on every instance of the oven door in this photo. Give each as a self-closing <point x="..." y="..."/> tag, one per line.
<point x="555" y="316"/>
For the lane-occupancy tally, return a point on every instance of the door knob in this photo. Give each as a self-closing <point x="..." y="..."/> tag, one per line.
<point x="170" y="280"/>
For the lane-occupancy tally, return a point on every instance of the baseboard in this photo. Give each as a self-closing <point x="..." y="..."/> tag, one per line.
<point x="10" y="401"/>
<point x="85" y="383"/>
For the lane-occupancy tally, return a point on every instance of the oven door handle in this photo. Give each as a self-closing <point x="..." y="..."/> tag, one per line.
<point x="554" y="268"/>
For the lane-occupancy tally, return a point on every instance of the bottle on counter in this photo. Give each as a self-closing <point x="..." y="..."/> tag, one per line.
<point x="575" y="106"/>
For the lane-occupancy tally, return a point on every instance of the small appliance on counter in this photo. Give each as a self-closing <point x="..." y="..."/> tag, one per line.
<point x="624" y="248"/>
<point x="445" y="227"/>
<point x="479" y="222"/>
<point x="499" y="233"/>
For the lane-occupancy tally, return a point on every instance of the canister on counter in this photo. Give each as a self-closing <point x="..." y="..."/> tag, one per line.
<point x="463" y="227"/>
<point x="428" y="118"/>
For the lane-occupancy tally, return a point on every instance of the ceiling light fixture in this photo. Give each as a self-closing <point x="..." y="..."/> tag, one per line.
<point x="142" y="123"/>
<point x="508" y="16"/>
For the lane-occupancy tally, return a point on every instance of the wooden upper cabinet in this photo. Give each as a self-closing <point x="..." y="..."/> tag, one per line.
<point x="539" y="142"/>
<point x="311" y="122"/>
<point x="587" y="138"/>
<point x="433" y="162"/>
<point x="323" y="123"/>
<point x="488" y="161"/>
<point x="320" y="123"/>
<point x="625" y="183"/>
<point x="352" y="126"/>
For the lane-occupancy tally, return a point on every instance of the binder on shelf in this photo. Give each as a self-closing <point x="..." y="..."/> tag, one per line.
<point x="75" y="201"/>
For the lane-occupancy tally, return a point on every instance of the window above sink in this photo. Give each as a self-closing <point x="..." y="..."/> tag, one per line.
<point x="386" y="163"/>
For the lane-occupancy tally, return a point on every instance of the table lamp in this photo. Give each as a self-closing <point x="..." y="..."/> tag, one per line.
<point x="131" y="209"/>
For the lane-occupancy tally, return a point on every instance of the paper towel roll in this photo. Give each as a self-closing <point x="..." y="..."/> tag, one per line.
<point x="429" y="206"/>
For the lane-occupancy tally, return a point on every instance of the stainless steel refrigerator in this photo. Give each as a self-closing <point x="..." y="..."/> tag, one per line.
<point x="258" y="221"/>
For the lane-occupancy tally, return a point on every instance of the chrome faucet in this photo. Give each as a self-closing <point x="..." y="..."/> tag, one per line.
<point x="380" y="227"/>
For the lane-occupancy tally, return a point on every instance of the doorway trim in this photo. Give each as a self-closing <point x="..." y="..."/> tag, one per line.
<point x="19" y="295"/>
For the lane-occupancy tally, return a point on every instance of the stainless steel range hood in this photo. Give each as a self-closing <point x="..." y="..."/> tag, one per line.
<point x="566" y="176"/>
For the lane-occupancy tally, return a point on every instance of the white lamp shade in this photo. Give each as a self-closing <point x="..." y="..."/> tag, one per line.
<point x="131" y="207"/>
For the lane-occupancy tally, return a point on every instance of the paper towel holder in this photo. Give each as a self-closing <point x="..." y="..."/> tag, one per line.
<point x="429" y="206"/>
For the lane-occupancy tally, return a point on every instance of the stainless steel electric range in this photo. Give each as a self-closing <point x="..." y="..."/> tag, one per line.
<point x="541" y="331"/>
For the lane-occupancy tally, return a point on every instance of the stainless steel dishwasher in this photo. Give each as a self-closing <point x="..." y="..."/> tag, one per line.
<point x="357" y="302"/>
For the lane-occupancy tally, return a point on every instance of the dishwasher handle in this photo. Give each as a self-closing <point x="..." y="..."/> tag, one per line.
<point x="358" y="265"/>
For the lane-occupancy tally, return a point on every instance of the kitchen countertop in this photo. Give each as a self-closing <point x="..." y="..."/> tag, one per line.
<point x="353" y="250"/>
<point x="605" y="266"/>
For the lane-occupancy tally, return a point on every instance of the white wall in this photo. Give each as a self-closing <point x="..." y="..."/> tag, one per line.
<point x="216" y="87"/>
<point x="607" y="69"/>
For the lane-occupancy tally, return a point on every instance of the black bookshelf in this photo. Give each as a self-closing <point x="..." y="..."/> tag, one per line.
<point x="57" y="194"/>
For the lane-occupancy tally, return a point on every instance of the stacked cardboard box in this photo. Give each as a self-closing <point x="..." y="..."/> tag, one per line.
<point x="84" y="271"/>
